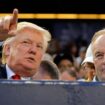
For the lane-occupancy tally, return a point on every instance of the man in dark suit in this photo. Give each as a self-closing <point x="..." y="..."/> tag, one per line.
<point x="25" y="50"/>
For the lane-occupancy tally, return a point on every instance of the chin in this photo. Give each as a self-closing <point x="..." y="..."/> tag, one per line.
<point x="29" y="65"/>
<point x="30" y="71"/>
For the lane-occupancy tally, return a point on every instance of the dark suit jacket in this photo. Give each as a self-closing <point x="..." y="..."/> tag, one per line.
<point x="3" y="73"/>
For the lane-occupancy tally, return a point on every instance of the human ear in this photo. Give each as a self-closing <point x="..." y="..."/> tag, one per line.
<point x="6" y="49"/>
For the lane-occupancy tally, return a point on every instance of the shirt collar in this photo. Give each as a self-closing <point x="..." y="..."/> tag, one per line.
<point x="10" y="72"/>
<point x="95" y="79"/>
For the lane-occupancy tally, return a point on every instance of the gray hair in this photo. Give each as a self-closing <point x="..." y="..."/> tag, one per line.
<point x="6" y="42"/>
<point x="46" y="34"/>
<point x="97" y="34"/>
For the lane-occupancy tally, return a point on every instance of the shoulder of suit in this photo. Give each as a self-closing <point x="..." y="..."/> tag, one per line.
<point x="2" y="66"/>
<point x="3" y="74"/>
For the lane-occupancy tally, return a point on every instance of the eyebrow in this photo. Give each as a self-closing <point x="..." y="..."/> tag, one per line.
<point x="32" y="41"/>
<point x="98" y="53"/>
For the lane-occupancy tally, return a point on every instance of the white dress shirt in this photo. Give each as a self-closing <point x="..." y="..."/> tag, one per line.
<point x="10" y="73"/>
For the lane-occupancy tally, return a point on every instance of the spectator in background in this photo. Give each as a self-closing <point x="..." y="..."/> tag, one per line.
<point x="52" y="51"/>
<point x="89" y="69"/>
<point x="66" y="67"/>
<point x="72" y="50"/>
<point x="47" y="71"/>
<point x="25" y="52"/>
<point x="87" y="66"/>
<point x="80" y="58"/>
<point x="63" y="61"/>
<point x="69" y="75"/>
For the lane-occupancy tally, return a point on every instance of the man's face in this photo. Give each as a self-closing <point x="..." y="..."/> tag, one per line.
<point x="26" y="52"/>
<point x="99" y="57"/>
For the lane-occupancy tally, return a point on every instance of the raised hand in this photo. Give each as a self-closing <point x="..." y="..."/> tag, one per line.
<point x="8" y="25"/>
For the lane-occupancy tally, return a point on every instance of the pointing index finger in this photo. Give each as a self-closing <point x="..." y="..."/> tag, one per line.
<point x="15" y="16"/>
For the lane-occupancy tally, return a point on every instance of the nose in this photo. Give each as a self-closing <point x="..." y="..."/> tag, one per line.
<point x="33" y="50"/>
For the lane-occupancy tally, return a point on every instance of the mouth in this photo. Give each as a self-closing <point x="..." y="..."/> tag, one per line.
<point x="30" y="59"/>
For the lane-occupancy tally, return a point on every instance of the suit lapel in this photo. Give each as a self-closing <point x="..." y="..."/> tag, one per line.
<point x="3" y="74"/>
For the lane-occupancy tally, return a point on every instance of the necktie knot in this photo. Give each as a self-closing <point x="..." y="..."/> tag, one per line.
<point x="16" y="77"/>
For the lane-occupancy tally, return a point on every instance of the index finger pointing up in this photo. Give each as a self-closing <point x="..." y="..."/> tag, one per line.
<point x="15" y="16"/>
